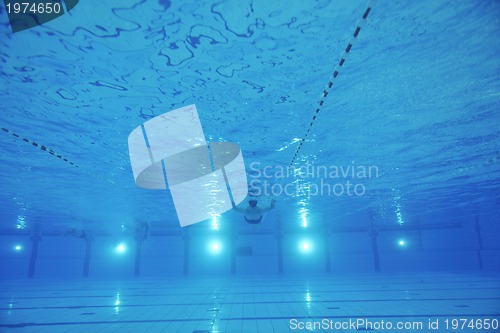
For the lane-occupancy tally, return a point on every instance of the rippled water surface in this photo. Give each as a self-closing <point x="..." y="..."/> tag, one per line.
<point x="418" y="97"/>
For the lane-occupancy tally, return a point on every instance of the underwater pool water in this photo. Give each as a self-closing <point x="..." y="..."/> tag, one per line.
<point x="374" y="131"/>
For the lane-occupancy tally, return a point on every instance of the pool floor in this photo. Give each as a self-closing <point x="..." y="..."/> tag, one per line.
<point x="254" y="304"/>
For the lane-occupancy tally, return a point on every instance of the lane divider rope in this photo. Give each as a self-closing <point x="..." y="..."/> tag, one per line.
<point x="59" y="156"/>
<point x="42" y="147"/>
<point x="336" y="71"/>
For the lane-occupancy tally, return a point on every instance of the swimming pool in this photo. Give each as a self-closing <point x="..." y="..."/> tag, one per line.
<point x="372" y="126"/>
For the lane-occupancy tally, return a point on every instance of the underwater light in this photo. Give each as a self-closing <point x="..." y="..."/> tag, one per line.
<point x="215" y="247"/>
<point x="305" y="246"/>
<point x="401" y="242"/>
<point x="18" y="247"/>
<point x="120" y="248"/>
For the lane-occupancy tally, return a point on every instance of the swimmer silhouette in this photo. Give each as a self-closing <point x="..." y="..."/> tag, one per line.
<point x="254" y="214"/>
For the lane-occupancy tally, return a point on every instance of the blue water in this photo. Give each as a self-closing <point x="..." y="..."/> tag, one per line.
<point x="416" y="101"/>
<point x="417" y="98"/>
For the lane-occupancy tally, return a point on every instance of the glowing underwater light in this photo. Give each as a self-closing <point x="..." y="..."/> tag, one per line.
<point x="215" y="247"/>
<point x="120" y="248"/>
<point x="305" y="246"/>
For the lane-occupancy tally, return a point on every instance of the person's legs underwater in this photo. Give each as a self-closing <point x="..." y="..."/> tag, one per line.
<point x="254" y="221"/>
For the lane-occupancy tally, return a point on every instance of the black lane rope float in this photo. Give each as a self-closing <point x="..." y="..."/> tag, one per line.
<point x="336" y="71"/>
<point x="42" y="147"/>
<point x="59" y="156"/>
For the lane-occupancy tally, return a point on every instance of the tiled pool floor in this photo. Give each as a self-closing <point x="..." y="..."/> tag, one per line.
<point x="253" y="304"/>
